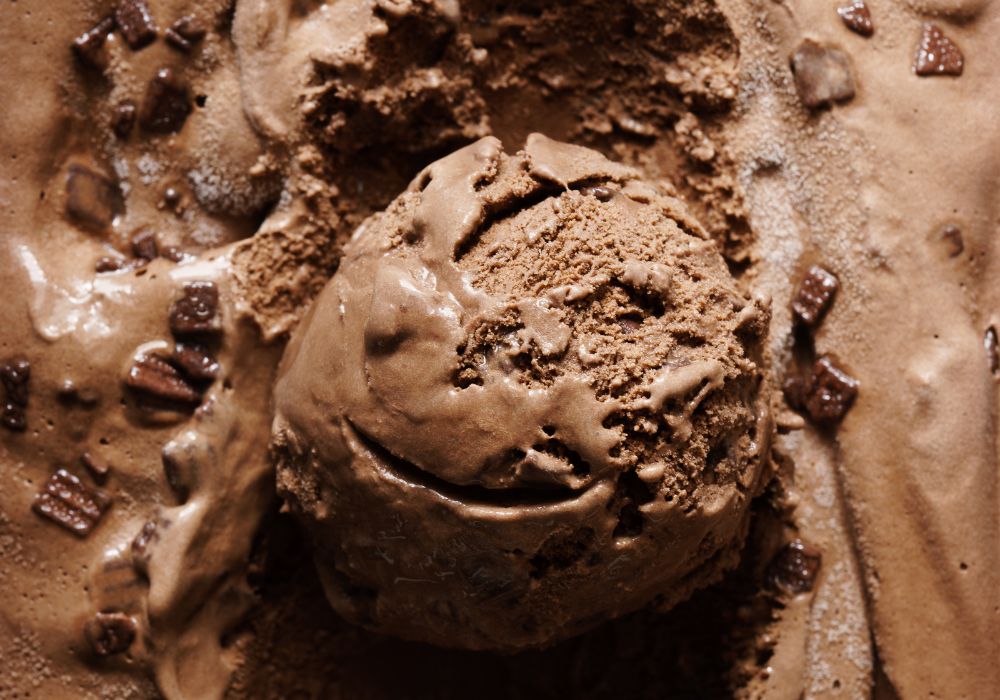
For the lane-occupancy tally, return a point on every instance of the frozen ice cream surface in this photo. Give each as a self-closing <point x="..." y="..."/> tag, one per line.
<point x="532" y="399"/>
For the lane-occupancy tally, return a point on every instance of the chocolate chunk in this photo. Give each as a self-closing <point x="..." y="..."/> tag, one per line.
<point x="794" y="568"/>
<point x="142" y="545"/>
<point x="144" y="245"/>
<point x="109" y="264"/>
<point x="857" y="17"/>
<point x="15" y="376"/>
<point x="166" y="105"/>
<point x="171" y="197"/>
<point x="189" y="28"/>
<point x="13" y="417"/>
<point x="197" y="311"/>
<point x="992" y="351"/>
<point x="937" y="54"/>
<point x="173" y="254"/>
<point x="68" y="502"/>
<point x="123" y="119"/>
<point x="69" y="393"/>
<point x="952" y="236"/>
<point x="89" y="46"/>
<point x="602" y="193"/>
<point x="814" y="295"/>
<point x="830" y="393"/>
<point x="174" y="38"/>
<point x="98" y="468"/>
<point x="154" y="378"/>
<point x="110" y="633"/>
<point x="135" y="22"/>
<point x="196" y="361"/>
<point x="822" y="75"/>
<point x="92" y="200"/>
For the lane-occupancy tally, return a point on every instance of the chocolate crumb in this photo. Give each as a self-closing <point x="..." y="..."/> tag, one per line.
<point x="830" y="393"/>
<point x="166" y="105"/>
<point x="952" y="236"/>
<point x="153" y="377"/>
<point x="197" y="310"/>
<point x="88" y="47"/>
<point x="857" y="17"/>
<point x="794" y="568"/>
<point x="171" y="197"/>
<point x="937" y="54"/>
<point x="814" y="295"/>
<point x="992" y="351"/>
<point x="110" y="633"/>
<point x="822" y="75"/>
<point x="69" y="394"/>
<point x="123" y="119"/>
<point x="135" y="22"/>
<point x="196" y="361"/>
<point x="109" y="264"/>
<point x="144" y="245"/>
<point x="98" y="468"/>
<point x="92" y="199"/>
<point x="68" y="502"/>
<point x="15" y="376"/>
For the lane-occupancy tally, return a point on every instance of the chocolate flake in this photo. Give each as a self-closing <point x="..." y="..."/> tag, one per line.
<point x="992" y="352"/>
<point x="814" y="295"/>
<point x="144" y="245"/>
<point x="822" y="75"/>
<point x="197" y="310"/>
<point x="68" y="502"/>
<point x="166" y="105"/>
<point x="92" y="199"/>
<point x="15" y="376"/>
<point x="857" y="17"/>
<point x="937" y="54"/>
<point x="110" y="633"/>
<point x="794" y="568"/>
<point x="123" y="119"/>
<point x="952" y="236"/>
<point x="830" y="392"/>
<point x="196" y="361"/>
<point x="135" y="22"/>
<point x="98" y="468"/>
<point x="88" y="47"/>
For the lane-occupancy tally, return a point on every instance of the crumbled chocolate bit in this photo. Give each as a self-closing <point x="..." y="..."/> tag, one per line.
<point x="135" y="22"/>
<point x="88" y="47"/>
<point x="794" y="568"/>
<point x="110" y="633"/>
<point x="92" y="199"/>
<point x="830" y="392"/>
<point x="173" y="254"/>
<point x="68" y="502"/>
<point x="144" y="245"/>
<point x="822" y="75"/>
<point x="15" y="376"/>
<point x="109" y="264"/>
<point x="602" y="193"/>
<point x="857" y="17"/>
<point x="166" y="105"/>
<point x="196" y="361"/>
<point x="197" y="311"/>
<point x="952" y="236"/>
<point x="992" y="351"/>
<point x="123" y="119"/>
<point x="69" y="393"/>
<point x="814" y="295"/>
<point x="98" y="468"/>
<point x="153" y="377"/>
<point x="937" y="54"/>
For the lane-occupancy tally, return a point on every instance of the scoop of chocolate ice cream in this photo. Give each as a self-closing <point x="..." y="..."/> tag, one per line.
<point x="531" y="399"/>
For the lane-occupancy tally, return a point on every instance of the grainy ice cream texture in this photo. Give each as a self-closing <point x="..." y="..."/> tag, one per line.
<point x="531" y="400"/>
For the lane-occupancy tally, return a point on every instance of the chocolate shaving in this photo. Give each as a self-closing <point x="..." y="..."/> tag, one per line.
<point x="822" y="75"/>
<point x="176" y="40"/>
<point x="110" y="633"/>
<point x="154" y="379"/>
<point x="197" y="311"/>
<point x="857" y="17"/>
<point x="88" y="47"/>
<point x="135" y="22"/>
<point x="814" y="295"/>
<point x="68" y="502"/>
<point x="794" y="568"/>
<point x="937" y="54"/>
<point x="166" y="105"/>
<point x="196" y="361"/>
<point x="92" y="199"/>
<point x="143" y="543"/>
<point x="123" y="119"/>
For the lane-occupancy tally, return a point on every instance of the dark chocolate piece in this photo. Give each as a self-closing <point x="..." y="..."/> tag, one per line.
<point x="857" y="17"/>
<point x="144" y="245"/>
<point x="109" y="264"/>
<point x="197" y="311"/>
<point x="189" y="28"/>
<point x="814" y="295"/>
<point x="89" y="46"/>
<point x="173" y="254"/>
<point x="831" y="392"/>
<point x="92" y="199"/>
<point x="602" y="193"/>
<point x="952" y="236"/>
<point x="794" y="568"/>
<point x="822" y="75"/>
<point x="992" y="351"/>
<point x="123" y="119"/>
<point x="15" y="376"/>
<point x="135" y="22"/>
<point x="110" y="633"/>
<point x="166" y="105"/>
<point x="98" y="468"/>
<point x="154" y="378"/>
<point x="196" y="361"/>
<point x="937" y="54"/>
<point x="68" y="502"/>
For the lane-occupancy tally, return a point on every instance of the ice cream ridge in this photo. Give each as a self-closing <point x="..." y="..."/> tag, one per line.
<point x="532" y="399"/>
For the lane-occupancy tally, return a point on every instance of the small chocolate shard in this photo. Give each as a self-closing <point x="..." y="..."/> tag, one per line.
<point x="89" y="46"/>
<point x="108" y="263"/>
<point x="135" y="22"/>
<point x="110" y="633"/>
<point x="171" y="197"/>
<point x="600" y="192"/>
<point x="154" y="378"/>
<point x="831" y="392"/>
<point x="145" y="246"/>
<point x="857" y="17"/>
<point x="990" y="344"/>
<point x="794" y="568"/>
<point x="937" y="54"/>
<point x="814" y="295"/>
<point x="952" y="236"/>
<point x="166" y="105"/>
<point x="98" y="468"/>
<point x="92" y="200"/>
<point x="196" y="361"/>
<point x="68" y="502"/>
<point x="142" y="545"/>
<point x="822" y="75"/>
<point x="123" y="119"/>
<point x="197" y="311"/>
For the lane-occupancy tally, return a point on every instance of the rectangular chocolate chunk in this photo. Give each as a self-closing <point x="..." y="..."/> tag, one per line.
<point x="197" y="311"/>
<point x="166" y="105"/>
<point x="831" y="392"/>
<point x="68" y="502"/>
<point x="814" y="295"/>
<point x="135" y="22"/>
<point x="92" y="199"/>
<point x="89" y="46"/>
